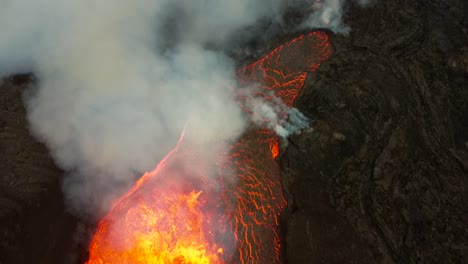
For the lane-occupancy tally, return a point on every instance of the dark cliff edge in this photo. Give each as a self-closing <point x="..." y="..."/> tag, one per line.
<point x="34" y="224"/>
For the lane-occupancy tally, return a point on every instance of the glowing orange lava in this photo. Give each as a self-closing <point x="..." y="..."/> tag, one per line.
<point x="179" y="214"/>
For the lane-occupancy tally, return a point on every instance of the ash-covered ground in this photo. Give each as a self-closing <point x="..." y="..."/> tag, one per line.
<point x="382" y="178"/>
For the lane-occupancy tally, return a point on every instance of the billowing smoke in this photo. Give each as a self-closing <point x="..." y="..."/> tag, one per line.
<point x="329" y="14"/>
<point x="272" y="113"/>
<point x="118" y="80"/>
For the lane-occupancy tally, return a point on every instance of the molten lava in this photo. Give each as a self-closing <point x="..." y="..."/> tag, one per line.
<point x="178" y="213"/>
<point x="158" y="221"/>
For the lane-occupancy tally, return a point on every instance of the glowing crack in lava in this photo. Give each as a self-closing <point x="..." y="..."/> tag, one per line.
<point x="179" y="214"/>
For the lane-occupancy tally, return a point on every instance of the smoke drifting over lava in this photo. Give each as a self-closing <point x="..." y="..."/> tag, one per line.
<point x="111" y="97"/>
<point x="117" y="81"/>
<point x="180" y="213"/>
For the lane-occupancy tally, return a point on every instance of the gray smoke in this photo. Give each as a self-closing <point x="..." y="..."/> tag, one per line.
<point x="329" y="14"/>
<point x="274" y="114"/>
<point x="117" y="80"/>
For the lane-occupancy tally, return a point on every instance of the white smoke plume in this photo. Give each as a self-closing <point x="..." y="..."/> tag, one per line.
<point x="274" y="114"/>
<point x="117" y="80"/>
<point x="330" y="14"/>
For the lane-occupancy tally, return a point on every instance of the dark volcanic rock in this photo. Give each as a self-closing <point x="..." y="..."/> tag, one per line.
<point x="34" y="226"/>
<point x="383" y="177"/>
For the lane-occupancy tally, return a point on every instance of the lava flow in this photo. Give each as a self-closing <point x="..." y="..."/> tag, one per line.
<point x="178" y="213"/>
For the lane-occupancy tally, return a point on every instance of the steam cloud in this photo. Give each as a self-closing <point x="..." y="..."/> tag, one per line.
<point x="329" y="14"/>
<point x="274" y="114"/>
<point x="117" y="80"/>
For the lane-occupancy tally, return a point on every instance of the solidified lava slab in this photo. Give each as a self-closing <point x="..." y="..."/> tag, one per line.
<point x="260" y="199"/>
<point x="181" y="213"/>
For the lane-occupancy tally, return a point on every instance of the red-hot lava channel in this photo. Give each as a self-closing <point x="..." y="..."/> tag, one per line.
<point x="178" y="213"/>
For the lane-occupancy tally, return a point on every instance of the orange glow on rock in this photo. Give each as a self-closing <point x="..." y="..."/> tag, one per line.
<point x="179" y="214"/>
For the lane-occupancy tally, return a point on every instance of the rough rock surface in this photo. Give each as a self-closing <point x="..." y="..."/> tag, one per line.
<point x="382" y="178"/>
<point x="34" y="226"/>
